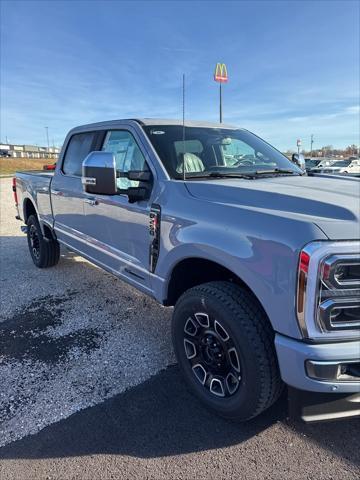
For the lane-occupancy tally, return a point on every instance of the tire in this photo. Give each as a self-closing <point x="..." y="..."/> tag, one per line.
<point x="246" y="380"/>
<point x="44" y="252"/>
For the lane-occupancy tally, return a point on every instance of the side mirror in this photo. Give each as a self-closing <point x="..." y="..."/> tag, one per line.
<point x="299" y="160"/>
<point x="142" y="190"/>
<point x="136" y="194"/>
<point x="99" y="173"/>
<point x="139" y="175"/>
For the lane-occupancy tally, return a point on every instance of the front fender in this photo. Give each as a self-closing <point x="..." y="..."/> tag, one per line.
<point x="266" y="264"/>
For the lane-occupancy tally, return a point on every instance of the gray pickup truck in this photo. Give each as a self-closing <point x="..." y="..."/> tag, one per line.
<point x="261" y="262"/>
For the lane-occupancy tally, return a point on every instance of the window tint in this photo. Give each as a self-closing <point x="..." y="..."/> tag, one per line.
<point x="191" y="146"/>
<point x="233" y="149"/>
<point x="79" y="147"/>
<point x="211" y="149"/>
<point x="128" y="155"/>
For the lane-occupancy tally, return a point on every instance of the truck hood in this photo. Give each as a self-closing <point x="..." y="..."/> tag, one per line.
<point x="332" y="204"/>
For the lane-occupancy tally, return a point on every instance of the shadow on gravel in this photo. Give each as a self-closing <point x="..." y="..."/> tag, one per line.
<point x="160" y="418"/>
<point x="24" y="335"/>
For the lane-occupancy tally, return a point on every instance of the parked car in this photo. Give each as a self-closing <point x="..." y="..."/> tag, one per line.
<point x="311" y="163"/>
<point x="352" y="167"/>
<point x="50" y="166"/>
<point x="260" y="262"/>
<point x="329" y="166"/>
<point x="5" y="153"/>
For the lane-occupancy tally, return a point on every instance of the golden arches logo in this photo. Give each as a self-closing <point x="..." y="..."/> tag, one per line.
<point x="221" y="74"/>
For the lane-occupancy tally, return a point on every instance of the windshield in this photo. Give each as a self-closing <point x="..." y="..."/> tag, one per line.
<point x="312" y="163"/>
<point x="341" y="163"/>
<point x="211" y="151"/>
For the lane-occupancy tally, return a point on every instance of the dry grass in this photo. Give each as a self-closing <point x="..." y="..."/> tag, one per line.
<point x="8" y="166"/>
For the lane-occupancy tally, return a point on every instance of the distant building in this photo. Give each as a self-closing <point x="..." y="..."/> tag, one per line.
<point x="30" y="151"/>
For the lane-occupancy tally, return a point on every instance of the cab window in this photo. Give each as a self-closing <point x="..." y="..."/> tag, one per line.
<point x="79" y="146"/>
<point x="128" y="156"/>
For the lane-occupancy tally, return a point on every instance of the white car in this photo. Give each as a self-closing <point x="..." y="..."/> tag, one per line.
<point x="330" y="166"/>
<point x="353" y="167"/>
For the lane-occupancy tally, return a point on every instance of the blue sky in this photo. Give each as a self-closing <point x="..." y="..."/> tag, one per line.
<point x="293" y="66"/>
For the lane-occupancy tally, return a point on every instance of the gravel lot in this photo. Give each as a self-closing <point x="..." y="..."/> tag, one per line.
<point x="88" y="390"/>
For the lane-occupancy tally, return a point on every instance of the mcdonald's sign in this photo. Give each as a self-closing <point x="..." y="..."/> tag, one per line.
<point x="221" y="74"/>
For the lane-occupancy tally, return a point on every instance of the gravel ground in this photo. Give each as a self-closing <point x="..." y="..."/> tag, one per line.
<point x="74" y="340"/>
<point x="70" y="336"/>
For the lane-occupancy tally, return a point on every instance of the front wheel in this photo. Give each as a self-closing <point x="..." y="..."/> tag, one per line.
<point x="225" y="348"/>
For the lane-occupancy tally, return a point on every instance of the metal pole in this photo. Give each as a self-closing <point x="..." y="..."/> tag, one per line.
<point x="311" y="144"/>
<point x="220" y="104"/>
<point x="47" y="137"/>
<point x="183" y="125"/>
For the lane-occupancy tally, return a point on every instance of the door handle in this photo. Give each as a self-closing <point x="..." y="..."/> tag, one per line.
<point x="91" y="201"/>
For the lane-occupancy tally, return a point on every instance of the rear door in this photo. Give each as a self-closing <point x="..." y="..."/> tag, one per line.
<point x="67" y="195"/>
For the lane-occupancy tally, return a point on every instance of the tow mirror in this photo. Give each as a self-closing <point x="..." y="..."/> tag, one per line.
<point x="99" y="173"/>
<point x="142" y="190"/>
<point x="139" y="175"/>
<point x="299" y="160"/>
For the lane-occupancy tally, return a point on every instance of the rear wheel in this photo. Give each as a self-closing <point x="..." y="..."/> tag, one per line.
<point x="44" y="252"/>
<point x="225" y="348"/>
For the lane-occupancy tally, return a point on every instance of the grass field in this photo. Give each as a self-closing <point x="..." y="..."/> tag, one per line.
<point x="8" y="166"/>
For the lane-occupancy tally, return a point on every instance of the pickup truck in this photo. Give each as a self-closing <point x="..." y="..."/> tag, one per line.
<point x="260" y="262"/>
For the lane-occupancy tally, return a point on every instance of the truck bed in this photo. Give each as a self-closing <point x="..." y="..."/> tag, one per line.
<point x="37" y="173"/>
<point x="34" y="185"/>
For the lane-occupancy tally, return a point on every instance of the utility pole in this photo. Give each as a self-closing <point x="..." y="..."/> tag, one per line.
<point x="311" y="144"/>
<point x="47" y="138"/>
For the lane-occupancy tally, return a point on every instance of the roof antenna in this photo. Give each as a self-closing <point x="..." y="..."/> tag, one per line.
<point x="183" y="122"/>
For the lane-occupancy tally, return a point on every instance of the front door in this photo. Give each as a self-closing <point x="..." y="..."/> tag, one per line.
<point x="117" y="229"/>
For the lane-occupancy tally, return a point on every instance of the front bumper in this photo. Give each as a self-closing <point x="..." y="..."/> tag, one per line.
<point x="323" y="379"/>
<point x="297" y="359"/>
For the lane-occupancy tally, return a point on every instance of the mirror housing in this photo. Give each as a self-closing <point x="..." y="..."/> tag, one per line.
<point x="299" y="160"/>
<point x="99" y="173"/>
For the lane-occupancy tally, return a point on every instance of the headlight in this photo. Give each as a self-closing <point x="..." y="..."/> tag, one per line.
<point x="338" y="299"/>
<point x="328" y="290"/>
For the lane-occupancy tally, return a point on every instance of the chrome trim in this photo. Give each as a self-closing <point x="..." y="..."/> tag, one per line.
<point x="308" y="322"/>
<point x="88" y="180"/>
<point x="331" y="304"/>
<point x="199" y="366"/>
<point x="332" y="262"/>
<point x="91" y="201"/>
<point x="193" y="354"/>
<point x="200" y="319"/>
<point x="218" y="382"/>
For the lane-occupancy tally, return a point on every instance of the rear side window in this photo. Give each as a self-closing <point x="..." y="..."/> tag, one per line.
<point x="80" y="145"/>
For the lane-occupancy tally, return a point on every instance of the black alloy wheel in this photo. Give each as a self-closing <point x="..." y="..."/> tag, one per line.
<point x="212" y="354"/>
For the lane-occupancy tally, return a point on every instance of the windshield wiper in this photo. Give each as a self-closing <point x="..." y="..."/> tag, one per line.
<point x="280" y="171"/>
<point x="248" y="176"/>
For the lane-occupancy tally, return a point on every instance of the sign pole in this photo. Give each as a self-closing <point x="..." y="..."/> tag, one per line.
<point x="220" y="103"/>
<point x="220" y="76"/>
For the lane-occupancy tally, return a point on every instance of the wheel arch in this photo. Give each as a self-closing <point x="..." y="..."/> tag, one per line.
<point x="203" y="270"/>
<point x="29" y="208"/>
